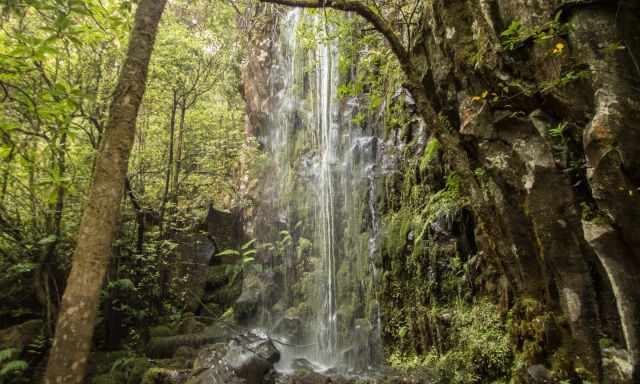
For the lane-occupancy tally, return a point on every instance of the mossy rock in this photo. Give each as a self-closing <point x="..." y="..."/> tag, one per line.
<point x="430" y="156"/>
<point x="161" y="330"/>
<point x="189" y="324"/>
<point x="165" y="347"/>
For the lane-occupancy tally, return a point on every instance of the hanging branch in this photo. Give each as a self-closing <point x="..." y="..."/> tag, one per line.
<point x="368" y="13"/>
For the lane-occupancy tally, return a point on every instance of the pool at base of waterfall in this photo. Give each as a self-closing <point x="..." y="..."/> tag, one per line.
<point x="300" y="364"/>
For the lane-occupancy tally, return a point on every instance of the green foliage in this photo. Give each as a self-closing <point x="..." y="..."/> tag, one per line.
<point x="245" y="253"/>
<point x="479" y="348"/>
<point x="565" y="79"/>
<point x="121" y="285"/>
<point x="8" y="354"/>
<point x="558" y="130"/>
<point x="517" y="35"/>
<point x="445" y="202"/>
<point x="229" y="252"/>
<point x="430" y="152"/>
<point x="60" y="61"/>
<point x="12" y="369"/>
<point x="129" y="369"/>
<point x="156" y="375"/>
<point x="480" y="172"/>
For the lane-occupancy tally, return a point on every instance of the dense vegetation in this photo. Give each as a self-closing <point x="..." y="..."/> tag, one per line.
<point x="480" y="218"/>
<point x="59" y="65"/>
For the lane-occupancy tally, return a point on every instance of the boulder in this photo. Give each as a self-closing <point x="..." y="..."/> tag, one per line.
<point x="189" y="324"/>
<point x="165" y="347"/>
<point x="251" y="357"/>
<point x="161" y="330"/>
<point x="539" y="374"/>
<point x="245" y="359"/>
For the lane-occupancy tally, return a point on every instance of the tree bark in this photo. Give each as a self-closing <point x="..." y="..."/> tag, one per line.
<point x="170" y="150"/>
<point x="178" y="157"/>
<point x="137" y="207"/>
<point x="72" y="343"/>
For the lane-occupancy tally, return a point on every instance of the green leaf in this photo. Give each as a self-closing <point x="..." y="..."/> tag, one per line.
<point x="13" y="367"/>
<point x="5" y="151"/>
<point x="248" y="244"/>
<point x="22" y="268"/>
<point x="48" y="240"/>
<point x="122" y="284"/>
<point x="8" y="354"/>
<point x="228" y="252"/>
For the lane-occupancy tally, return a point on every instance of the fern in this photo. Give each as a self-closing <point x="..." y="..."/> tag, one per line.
<point x="228" y="252"/>
<point x="248" y="244"/>
<point x="559" y="130"/>
<point x="8" y="354"/>
<point x="13" y="367"/>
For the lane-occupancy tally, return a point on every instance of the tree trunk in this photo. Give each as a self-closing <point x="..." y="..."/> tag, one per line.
<point x="137" y="207"/>
<point x="178" y="157"/>
<point x="167" y="179"/>
<point x="47" y="268"/>
<point x="72" y="343"/>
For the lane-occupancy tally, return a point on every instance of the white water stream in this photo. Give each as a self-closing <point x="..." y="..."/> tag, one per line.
<point x="338" y="167"/>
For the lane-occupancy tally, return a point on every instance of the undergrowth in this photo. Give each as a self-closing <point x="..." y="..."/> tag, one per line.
<point x="480" y="349"/>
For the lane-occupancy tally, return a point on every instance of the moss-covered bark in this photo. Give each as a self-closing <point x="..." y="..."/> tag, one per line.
<point x="70" y="352"/>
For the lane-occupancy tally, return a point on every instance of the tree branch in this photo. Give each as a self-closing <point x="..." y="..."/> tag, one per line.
<point x="368" y="13"/>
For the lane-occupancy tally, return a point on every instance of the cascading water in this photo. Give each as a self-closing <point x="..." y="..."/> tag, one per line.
<point x="326" y="116"/>
<point x="323" y="186"/>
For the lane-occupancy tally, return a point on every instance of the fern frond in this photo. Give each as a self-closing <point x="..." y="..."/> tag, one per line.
<point x="13" y="367"/>
<point x="8" y="354"/>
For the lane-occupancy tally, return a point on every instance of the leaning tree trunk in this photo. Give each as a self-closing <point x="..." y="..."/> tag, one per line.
<point x="74" y="330"/>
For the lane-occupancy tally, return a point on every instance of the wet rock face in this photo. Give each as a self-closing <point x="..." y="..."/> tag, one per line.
<point x="536" y="161"/>
<point x="544" y="142"/>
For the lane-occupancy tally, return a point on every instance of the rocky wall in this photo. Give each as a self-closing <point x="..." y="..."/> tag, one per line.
<point x="524" y="187"/>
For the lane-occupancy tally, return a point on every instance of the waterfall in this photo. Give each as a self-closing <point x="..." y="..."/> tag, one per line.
<point x="322" y="186"/>
<point x="327" y="132"/>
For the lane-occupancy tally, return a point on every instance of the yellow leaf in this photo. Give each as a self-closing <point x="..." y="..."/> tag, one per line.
<point x="558" y="49"/>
